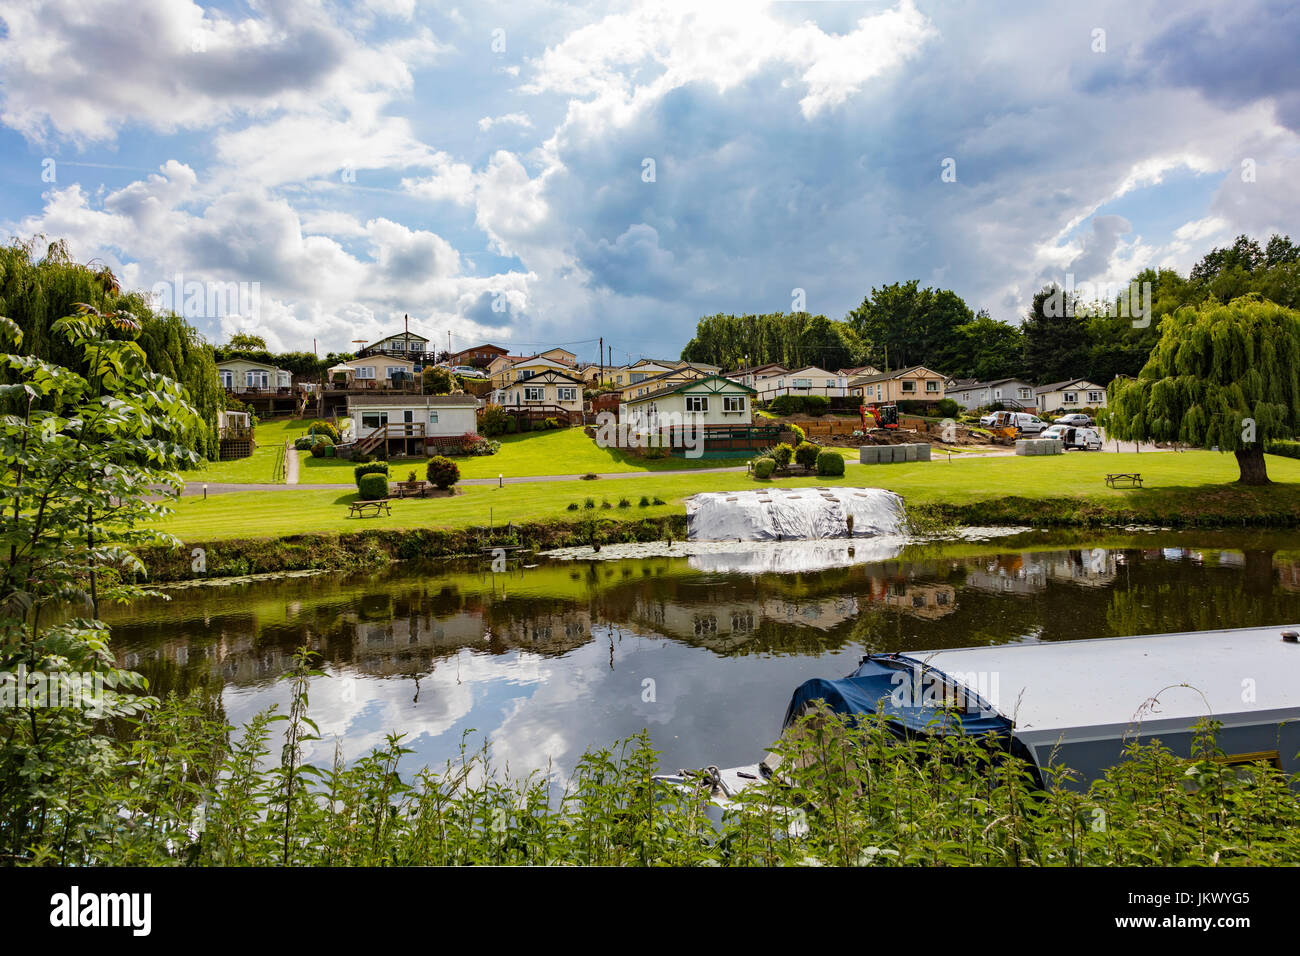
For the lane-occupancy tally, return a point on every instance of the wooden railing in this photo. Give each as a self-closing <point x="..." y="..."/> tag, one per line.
<point x="393" y="430"/>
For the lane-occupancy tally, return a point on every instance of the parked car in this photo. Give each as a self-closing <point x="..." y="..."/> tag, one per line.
<point x="1074" y="436"/>
<point x="1074" y="418"/>
<point x="469" y="371"/>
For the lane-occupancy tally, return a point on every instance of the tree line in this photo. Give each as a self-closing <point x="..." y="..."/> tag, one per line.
<point x="1061" y="335"/>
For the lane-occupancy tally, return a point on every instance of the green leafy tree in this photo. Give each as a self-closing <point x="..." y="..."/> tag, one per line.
<point x="985" y="349"/>
<point x="84" y="455"/>
<point x="246" y="342"/>
<point x="1055" y="337"/>
<point x="39" y="286"/>
<point x="1225" y="376"/>
<point x="908" y="325"/>
<point x="439" y="381"/>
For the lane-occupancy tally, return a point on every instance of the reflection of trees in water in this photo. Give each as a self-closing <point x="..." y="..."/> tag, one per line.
<point x="407" y="620"/>
<point x="1186" y="596"/>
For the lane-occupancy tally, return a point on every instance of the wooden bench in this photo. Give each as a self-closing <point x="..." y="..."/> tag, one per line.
<point x="1133" y="479"/>
<point x="358" y="509"/>
<point x="406" y="489"/>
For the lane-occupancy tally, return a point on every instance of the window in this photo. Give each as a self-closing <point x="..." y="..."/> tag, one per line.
<point x="394" y="371"/>
<point x="364" y="371"/>
<point x="568" y="394"/>
<point x="256" y="379"/>
<point x="524" y="374"/>
<point x="803" y="383"/>
<point x="932" y="386"/>
<point x="697" y="403"/>
<point x="1071" y="398"/>
<point x="997" y="393"/>
<point x="399" y="346"/>
<point x="433" y="418"/>
<point x="534" y="393"/>
<point x="1022" y="393"/>
<point x="1094" y="398"/>
<point x="909" y="385"/>
<point x="965" y="397"/>
<point x="373" y="419"/>
<point x="733" y="403"/>
<point x="636" y="377"/>
<point x="227" y="378"/>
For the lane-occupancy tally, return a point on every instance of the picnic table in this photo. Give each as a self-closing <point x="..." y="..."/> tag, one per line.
<point x="1133" y="479"/>
<point x="358" y="509"/>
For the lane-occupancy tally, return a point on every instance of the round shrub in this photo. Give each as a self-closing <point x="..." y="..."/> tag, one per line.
<point x="374" y="468"/>
<point x="494" y="421"/>
<point x="763" y="467"/>
<point x="322" y="449"/>
<point x="799" y="434"/>
<point x="304" y="442"/>
<point x="806" y="455"/>
<point x="830" y="463"/>
<point x="324" y="428"/>
<point x="373" y="486"/>
<point x="947" y="408"/>
<point x="442" y="472"/>
<point x="781" y="454"/>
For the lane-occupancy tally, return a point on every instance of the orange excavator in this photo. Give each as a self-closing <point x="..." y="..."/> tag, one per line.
<point x="884" y="416"/>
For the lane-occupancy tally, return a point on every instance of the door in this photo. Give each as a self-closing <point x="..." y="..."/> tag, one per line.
<point x="408" y="417"/>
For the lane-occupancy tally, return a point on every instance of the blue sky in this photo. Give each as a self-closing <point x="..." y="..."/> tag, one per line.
<point x="483" y="167"/>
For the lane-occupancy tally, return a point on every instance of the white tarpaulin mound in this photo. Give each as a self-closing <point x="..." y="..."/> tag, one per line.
<point x="791" y="556"/>
<point x="785" y="514"/>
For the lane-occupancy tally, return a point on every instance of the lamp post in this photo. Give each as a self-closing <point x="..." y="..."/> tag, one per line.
<point x="501" y="481"/>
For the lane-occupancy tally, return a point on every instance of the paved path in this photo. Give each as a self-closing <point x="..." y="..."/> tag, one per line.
<point x="290" y="463"/>
<point x="291" y="469"/>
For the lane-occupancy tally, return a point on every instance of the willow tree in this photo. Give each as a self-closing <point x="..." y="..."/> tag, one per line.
<point x="1220" y="376"/>
<point x="41" y="282"/>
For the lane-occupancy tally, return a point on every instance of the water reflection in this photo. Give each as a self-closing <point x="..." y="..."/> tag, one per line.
<point x="705" y="650"/>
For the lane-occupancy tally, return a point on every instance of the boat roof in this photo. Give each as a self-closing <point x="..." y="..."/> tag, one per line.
<point x="1068" y="685"/>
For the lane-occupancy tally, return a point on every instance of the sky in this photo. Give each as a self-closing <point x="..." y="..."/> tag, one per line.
<point x="535" y="173"/>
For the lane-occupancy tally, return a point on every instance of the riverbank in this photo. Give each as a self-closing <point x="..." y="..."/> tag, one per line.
<point x="271" y="532"/>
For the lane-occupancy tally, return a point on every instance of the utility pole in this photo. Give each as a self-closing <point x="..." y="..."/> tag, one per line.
<point x="600" y="357"/>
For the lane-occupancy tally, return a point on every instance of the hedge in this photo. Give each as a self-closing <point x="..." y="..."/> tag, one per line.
<point x="806" y="454"/>
<point x="324" y="428"/>
<point x="830" y="463"/>
<point x="373" y="486"/>
<point x="442" y="472"/>
<point x="374" y="468"/>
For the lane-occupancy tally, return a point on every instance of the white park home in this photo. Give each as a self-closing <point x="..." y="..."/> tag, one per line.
<point x="1013" y="393"/>
<point x="441" y="415"/>
<point x="808" y="380"/>
<point x="712" y="400"/>
<point x="245" y="375"/>
<point x="1070" y="395"/>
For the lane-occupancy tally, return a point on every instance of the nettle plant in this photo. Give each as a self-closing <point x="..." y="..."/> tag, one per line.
<point x="89" y="457"/>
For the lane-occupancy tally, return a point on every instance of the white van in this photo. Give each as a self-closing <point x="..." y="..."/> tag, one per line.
<point x="1026" y="423"/>
<point x="1084" y="439"/>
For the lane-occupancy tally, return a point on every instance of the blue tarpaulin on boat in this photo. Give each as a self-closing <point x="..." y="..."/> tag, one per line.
<point x="915" y="695"/>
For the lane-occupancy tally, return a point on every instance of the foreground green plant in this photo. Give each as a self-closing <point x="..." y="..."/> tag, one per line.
<point x="844" y="794"/>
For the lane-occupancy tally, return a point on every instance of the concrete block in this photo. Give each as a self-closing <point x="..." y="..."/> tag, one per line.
<point x="1022" y="447"/>
<point x="869" y="454"/>
<point x="909" y="451"/>
<point x="923" y="452"/>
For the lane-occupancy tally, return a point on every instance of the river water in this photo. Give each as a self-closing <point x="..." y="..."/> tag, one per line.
<point x="553" y="656"/>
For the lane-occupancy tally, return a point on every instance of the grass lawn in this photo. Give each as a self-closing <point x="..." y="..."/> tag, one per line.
<point x="1186" y="482"/>
<point x="259" y="467"/>
<point x="562" y="451"/>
